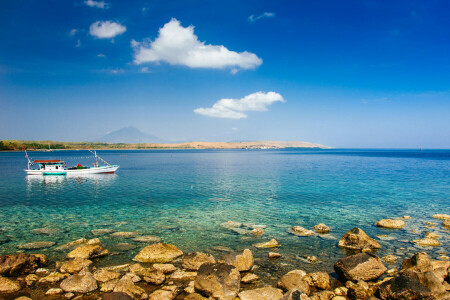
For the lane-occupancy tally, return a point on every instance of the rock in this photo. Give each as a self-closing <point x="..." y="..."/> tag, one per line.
<point x="320" y="280"/>
<point x="357" y="239"/>
<point x="437" y="264"/>
<point x="53" y="278"/>
<point x="193" y="261"/>
<point x="108" y="286"/>
<point x="406" y="217"/>
<point x="295" y="294"/>
<point x="322" y="228"/>
<point x="123" y="234"/>
<point x="165" y="268"/>
<point x="147" y="239"/>
<point x="222" y="249"/>
<point x="359" y="291"/>
<point x="42" y="272"/>
<point x="441" y="216"/>
<point x="154" y="277"/>
<point x="75" y="265"/>
<point x="270" y="244"/>
<point x="45" y="231"/>
<point x="118" y="268"/>
<point x="36" y="245"/>
<point x="166" y="293"/>
<point x="8" y="286"/>
<point x="126" y="285"/>
<point x="390" y="259"/>
<point x="390" y="223"/>
<point x="116" y="296"/>
<point x="404" y="288"/>
<point x="446" y="223"/>
<point x="249" y="277"/>
<point x="133" y="277"/>
<point x="158" y="253"/>
<point x="392" y="272"/>
<point x="220" y="281"/>
<point x="138" y="269"/>
<point x="124" y="246"/>
<point x="190" y="288"/>
<point x="20" y="264"/>
<point x="341" y="291"/>
<point x="88" y="252"/>
<point x="426" y="242"/>
<point x="312" y="259"/>
<point x="243" y="261"/>
<point x="428" y="279"/>
<point x="102" y="231"/>
<point x="82" y="282"/>
<point x="104" y="275"/>
<point x="274" y="255"/>
<point x="23" y="298"/>
<point x="71" y="245"/>
<point x="419" y="262"/>
<point x="362" y="266"/>
<point x="54" y="291"/>
<point x="4" y="240"/>
<point x="323" y="295"/>
<point x="264" y="293"/>
<point x="431" y="235"/>
<point x="30" y="279"/>
<point x="257" y="231"/>
<point x="183" y="276"/>
<point x="231" y="224"/>
<point x="299" y="230"/>
<point x="195" y="296"/>
<point x="294" y="280"/>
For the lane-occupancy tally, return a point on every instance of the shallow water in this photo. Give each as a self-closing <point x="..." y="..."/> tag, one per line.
<point x="183" y="196"/>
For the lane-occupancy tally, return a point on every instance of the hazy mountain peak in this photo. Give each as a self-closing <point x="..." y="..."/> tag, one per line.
<point x="129" y="135"/>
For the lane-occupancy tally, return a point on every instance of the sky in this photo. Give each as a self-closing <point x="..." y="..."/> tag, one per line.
<point x="349" y="74"/>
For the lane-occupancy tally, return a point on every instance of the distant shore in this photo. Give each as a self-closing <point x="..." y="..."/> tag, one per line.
<point x="15" y="145"/>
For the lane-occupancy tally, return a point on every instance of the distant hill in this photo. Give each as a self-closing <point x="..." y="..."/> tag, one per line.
<point x="129" y="135"/>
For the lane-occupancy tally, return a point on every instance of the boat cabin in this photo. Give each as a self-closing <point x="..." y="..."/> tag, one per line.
<point x="50" y="165"/>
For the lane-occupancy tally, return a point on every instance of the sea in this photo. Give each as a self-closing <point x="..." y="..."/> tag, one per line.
<point x="183" y="197"/>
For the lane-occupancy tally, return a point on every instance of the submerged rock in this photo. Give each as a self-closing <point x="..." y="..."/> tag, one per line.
<point x="147" y="239"/>
<point x="264" y="293"/>
<point x="257" y="231"/>
<point x="22" y="263"/>
<point x="36" y="245"/>
<point x="220" y="281"/>
<point x="322" y="228"/>
<point x="446" y="223"/>
<point x="8" y="285"/>
<point x="441" y="216"/>
<point x="426" y="242"/>
<point x="300" y="231"/>
<point x="243" y="261"/>
<point x="231" y="224"/>
<point x="274" y="255"/>
<point x="391" y="224"/>
<point x="123" y="234"/>
<point x="71" y="245"/>
<point x="357" y="239"/>
<point x="158" y="253"/>
<point x="362" y="266"/>
<point x="88" y="252"/>
<point x="82" y="282"/>
<point x="45" y="231"/>
<point x="193" y="261"/>
<point x="270" y="244"/>
<point x="102" y="231"/>
<point x="390" y="259"/>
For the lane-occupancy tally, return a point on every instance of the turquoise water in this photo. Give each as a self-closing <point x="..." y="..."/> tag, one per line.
<point x="183" y="196"/>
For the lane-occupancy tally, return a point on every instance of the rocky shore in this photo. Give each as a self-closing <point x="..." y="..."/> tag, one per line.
<point x="163" y="271"/>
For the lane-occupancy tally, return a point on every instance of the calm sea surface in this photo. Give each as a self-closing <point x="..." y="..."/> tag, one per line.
<point x="183" y="196"/>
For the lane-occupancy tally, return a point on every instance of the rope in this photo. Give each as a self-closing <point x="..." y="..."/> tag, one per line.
<point x="99" y="157"/>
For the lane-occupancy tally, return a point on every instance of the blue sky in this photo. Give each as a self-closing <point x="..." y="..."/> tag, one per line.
<point x="341" y="73"/>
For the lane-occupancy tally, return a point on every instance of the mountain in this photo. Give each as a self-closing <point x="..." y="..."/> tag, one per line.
<point x="129" y="135"/>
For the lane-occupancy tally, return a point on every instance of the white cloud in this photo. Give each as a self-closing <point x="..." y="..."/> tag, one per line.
<point x="145" y="70"/>
<point x="72" y="32"/>
<point x="98" y="4"/>
<point x="101" y="55"/>
<point x="178" y="45"/>
<point x="106" y="29"/>
<point x="254" y="18"/>
<point x="78" y="44"/>
<point x="234" y="108"/>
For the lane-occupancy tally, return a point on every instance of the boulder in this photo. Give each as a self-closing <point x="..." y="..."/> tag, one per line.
<point x="243" y="261"/>
<point x="362" y="266"/>
<point x="82" y="282"/>
<point x="126" y="285"/>
<point x="20" y="264"/>
<point x="295" y="294"/>
<point x="294" y="280"/>
<point x="116" y="296"/>
<point x="419" y="262"/>
<point x="264" y="293"/>
<point x="147" y="239"/>
<point x="319" y="280"/>
<point x="300" y="231"/>
<point x="270" y="244"/>
<point x="220" y="281"/>
<point x="165" y="268"/>
<point x="391" y="224"/>
<point x="193" y="261"/>
<point x="359" y="291"/>
<point x="102" y="275"/>
<point x="322" y="228"/>
<point x="428" y="279"/>
<point x="404" y="288"/>
<point x="8" y="285"/>
<point x="158" y="253"/>
<point x="441" y="216"/>
<point x="75" y="265"/>
<point x="36" y="245"/>
<point x="357" y="239"/>
<point x="88" y="252"/>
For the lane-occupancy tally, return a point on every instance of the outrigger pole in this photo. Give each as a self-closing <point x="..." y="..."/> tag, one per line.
<point x="98" y="157"/>
<point x="29" y="161"/>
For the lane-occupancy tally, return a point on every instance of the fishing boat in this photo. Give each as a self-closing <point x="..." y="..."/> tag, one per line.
<point x="59" y="167"/>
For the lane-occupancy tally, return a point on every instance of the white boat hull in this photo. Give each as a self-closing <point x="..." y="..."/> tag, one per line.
<point x="95" y="170"/>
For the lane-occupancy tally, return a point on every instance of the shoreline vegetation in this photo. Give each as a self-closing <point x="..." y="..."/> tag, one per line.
<point x="162" y="271"/>
<point x="16" y="145"/>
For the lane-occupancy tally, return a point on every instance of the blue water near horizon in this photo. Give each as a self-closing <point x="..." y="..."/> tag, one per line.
<point x="183" y="196"/>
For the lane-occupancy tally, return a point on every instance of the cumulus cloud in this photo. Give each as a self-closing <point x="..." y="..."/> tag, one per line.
<point x="178" y="45"/>
<point x="72" y="32"/>
<point x="254" y="18"/>
<point x="97" y="4"/>
<point x="106" y="29"/>
<point x="234" y="108"/>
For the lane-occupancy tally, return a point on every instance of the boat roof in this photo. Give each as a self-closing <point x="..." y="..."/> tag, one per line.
<point x="47" y="161"/>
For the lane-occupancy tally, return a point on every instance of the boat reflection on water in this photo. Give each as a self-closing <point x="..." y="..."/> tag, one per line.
<point x="70" y="178"/>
